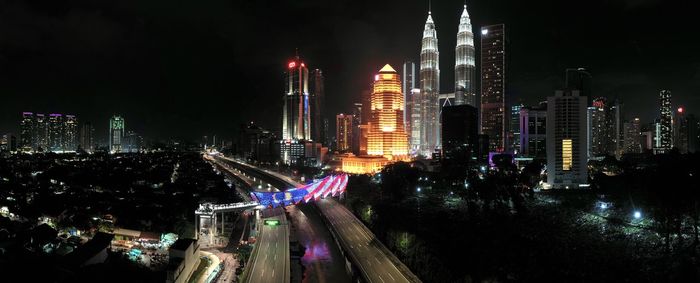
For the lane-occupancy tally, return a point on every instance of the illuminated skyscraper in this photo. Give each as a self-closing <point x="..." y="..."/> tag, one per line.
<point x="633" y="136"/>
<point x="70" y="133"/>
<point x="416" y="123"/>
<point x="566" y="140"/>
<point x="87" y="137"/>
<point x="465" y="91"/>
<point x="493" y="119"/>
<point x="387" y="136"/>
<point x="665" y="141"/>
<point x="430" y="88"/>
<point x="116" y="134"/>
<point x="344" y="132"/>
<point x="56" y="132"/>
<point x="296" y="119"/>
<point x="26" y="141"/>
<point x="41" y="132"/>
<point x="408" y="84"/>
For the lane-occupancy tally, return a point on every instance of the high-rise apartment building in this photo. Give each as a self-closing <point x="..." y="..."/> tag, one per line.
<point x="493" y="100"/>
<point x="665" y="138"/>
<point x="116" y="134"/>
<point x="415" y="124"/>
<point x="26" y="131"/>
<point x="566" y="140"/>
<point x="344" y="132"/>
<point x="87" y="137"/>
<point x="633" y="136"/>
<point x="465" y="66"/>
<point x="56" y="132"/>
<point x="70" y="133"/>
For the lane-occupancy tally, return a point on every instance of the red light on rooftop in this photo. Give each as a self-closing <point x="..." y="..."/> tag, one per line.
<point x="302" y="64"/>
<point x="292" y="64"/>
<point x="680" y="109"/>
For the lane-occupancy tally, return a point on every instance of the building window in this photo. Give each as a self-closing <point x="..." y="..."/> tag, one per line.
<point x="566" y="154"/>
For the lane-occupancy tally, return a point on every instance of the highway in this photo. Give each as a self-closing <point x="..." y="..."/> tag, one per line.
<point x="271" y="262"/>
<point x="376" y="263"/>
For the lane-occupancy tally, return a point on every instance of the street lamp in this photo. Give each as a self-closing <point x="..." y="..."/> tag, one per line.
<point x="637" y="215"/>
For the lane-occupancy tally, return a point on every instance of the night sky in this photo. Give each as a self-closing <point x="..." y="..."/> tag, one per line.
<point x="190" y="68"/>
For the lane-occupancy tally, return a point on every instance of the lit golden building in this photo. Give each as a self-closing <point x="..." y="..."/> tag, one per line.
<point x="387" y="136"/>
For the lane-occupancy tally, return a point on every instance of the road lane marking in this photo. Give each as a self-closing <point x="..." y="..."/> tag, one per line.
<point x="380" y="278"/>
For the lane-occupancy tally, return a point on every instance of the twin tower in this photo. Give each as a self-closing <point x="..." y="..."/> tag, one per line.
<point x="427" y="102"/>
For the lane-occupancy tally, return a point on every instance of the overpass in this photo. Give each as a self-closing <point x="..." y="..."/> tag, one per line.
<point x="370" y="259"/>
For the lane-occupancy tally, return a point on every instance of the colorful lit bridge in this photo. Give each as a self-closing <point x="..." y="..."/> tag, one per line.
<point x="333" y="185"/>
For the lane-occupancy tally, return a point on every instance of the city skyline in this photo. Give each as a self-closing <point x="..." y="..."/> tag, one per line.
<point x="623" y="77"/>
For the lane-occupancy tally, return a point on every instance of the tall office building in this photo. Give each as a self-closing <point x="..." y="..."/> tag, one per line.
<point x="416" y="122"/>
<point x="318" y="104"/>
<point x="665" y="139"/>
<point x="514" y="128"/>
<point x="70" y="134"/>
<point x="296" y="117"/>
<point x="533" y="131"/>
<point x="579" y="79"/>
<point x="387" y="136"/>
<point x="116" y="134"/>
<point x="685" y="132"/>
<point x="408" y="83"/>
<point x="26" y="141"/>
<point x="430" y="88"/>
<point x="633" y="136"/>
<point x="460" y="133"/>
<point x="56" y="132"/>
<point x="465" y="66"/>
<point x="356" y="122"/>
<point x="493" y="68"/>
<point x="566" y="140"/>
<point x="87" y="137"/>
<point x="344" y="132"/>
<point x="600" y="131"/>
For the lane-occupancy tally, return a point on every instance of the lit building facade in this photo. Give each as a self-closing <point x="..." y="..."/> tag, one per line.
<point x="344" y="132"/>
<point x="70" y="134"/>
<point x="633" y="136"/>
<point x="363" y="164"/>
<point x="116" y="134"/>
<point x="664" y="131"/>
<point x="87" y="137"/>
<point x="566" y="140"/>
<point x="387" y="136"/>
<point x="514" y="129"/>
<point x="465" y="66"/>
<point x="296" y="116"/>
<point x="56" y="132"/>
<point x="408" y="83"/>
<point x="493" y="103"/>
<point x="533" y="131"/>
<point x="430" y="88"/>
<point x="415" y="124"/>
<point x="318" y="101"/>
<point x="26" y="130"/>
<point x="41" y="132"/>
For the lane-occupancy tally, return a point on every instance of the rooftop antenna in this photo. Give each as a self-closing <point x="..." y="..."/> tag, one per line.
<point x="429" y="7"/>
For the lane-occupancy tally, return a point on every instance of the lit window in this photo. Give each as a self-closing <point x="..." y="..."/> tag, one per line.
<point x="566" y="154"/>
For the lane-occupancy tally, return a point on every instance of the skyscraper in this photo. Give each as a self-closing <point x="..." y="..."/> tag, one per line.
<point x="514" y="128"/>
<point x="26" y="141"/>
<point x="601" y="143"/>
<point x="465" y="90"/>
<point x="387" y="136"/>
<point x="566" y="140"/>
<point x="407" y="85"/>
<point x="87" y="137"/>
<point x="41" y="132"/>
<point x="533" y="131"/>
<point x="430" y="88"/>
<point x="318" y="105"/>
<point x="416" y="122"/>
<point x="460" y="133"/>
<point x="70" y="133"/>
<point x="344" y="132"/>
<point x="493" y="120"/>
<point x="56" y="132"/>
<point x="356" y="122"/>
<point x="665" y="141"/>
<point x="296" y="117"/>
<point x="116" y="134"/>
<point x="633" y="136"/>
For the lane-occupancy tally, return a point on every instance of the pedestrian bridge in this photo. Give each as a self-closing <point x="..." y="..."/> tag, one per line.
<point x="211" y="209"/>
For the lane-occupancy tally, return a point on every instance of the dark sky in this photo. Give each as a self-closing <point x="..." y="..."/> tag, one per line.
<point x="189" y="68"/>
